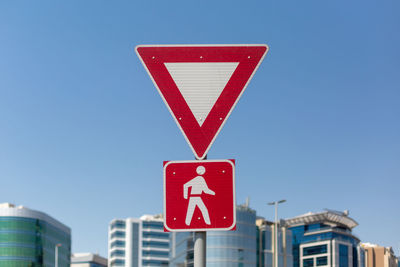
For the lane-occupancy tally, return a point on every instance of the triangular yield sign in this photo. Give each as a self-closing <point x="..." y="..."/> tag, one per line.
<point x="201" y="84"/>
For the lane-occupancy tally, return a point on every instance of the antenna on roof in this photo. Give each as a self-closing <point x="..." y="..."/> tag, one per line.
<point x="247" y="202"/>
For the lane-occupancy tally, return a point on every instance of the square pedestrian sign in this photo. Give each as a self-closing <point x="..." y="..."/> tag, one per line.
<point x="199" y="195"/>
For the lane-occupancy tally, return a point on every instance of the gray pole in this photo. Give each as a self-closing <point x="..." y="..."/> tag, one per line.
<point x="200" y="240"/>
<point x="56" y="256"/>
<point x="200" y="247"/>
<point x="276" y="247"/>
<point x="276" y="235"/>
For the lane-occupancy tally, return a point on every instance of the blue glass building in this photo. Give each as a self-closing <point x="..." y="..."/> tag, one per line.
<point x="224" y="248"/>
<point x="325" y="239"/>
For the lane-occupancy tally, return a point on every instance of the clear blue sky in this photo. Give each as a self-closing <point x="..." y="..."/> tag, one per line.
<point x="83" y="131"/>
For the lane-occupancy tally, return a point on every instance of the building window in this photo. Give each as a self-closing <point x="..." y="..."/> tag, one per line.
<point x="117" y="252"/>
<point x="155" y="253"/>
<point x="343" y="256"/>
<point x="153" y="225"/>
<point x="118" y="234"/>
<point x="118" y="262"/>
<point x="118" y="243"/>
<point x="321" y="261"/>
<point x="155" y="235"/>
<point x="155" y="263"/>
<point x="314" y="250"/>
<point x="308" y="262"/>
<point x="155" y="244"/>
<point x="118" y="224"/>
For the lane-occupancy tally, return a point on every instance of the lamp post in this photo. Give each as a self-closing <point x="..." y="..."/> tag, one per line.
<point x="275" y="203"/>
<point x="56" y="254"/>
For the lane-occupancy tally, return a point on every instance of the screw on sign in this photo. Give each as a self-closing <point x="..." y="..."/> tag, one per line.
<point x="199" y="195"/>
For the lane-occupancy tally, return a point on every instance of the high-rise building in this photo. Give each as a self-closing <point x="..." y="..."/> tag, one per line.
<point x="265" y="244"/>
<point x="31" y="238"/>
<point x="325" y="239"/>
<point x="377" y="256"/>
<point x="224" y="248"/>
<point x="138" y="242"/>
<point x="87" y="260"/>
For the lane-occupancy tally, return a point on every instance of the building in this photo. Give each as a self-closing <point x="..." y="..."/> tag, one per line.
<point x="31" y="238"/>
<point x="325" y="239"/>
<point x="88" y="260"/>
<point x="224" y="248"/>
<point x="377" y="256"/>
<point x="138" y="242"/>
<point x="181" y="249"/>
<point x="265" y="244"/>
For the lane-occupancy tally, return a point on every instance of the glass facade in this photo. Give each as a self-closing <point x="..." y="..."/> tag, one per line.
<point x="315" y="250"/>
<point x="181" y="252"/>
<point x="31" y="242"/>
<point x="224" y="248"/>
<point x="343" y="256"/>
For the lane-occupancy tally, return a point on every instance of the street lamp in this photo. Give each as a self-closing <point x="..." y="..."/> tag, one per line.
<point x="275" y="203"/>
<point x="56" y="256"/>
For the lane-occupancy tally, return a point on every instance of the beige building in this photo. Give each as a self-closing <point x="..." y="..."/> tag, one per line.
<point x="266" y="244"/>
<point x="377" y="256"/>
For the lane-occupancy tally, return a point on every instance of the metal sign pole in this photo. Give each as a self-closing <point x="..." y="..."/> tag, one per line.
<point x="200" y="247"/>
<point x="200" y="240"/>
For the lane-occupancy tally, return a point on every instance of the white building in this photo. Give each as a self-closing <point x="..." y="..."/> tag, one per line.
<point x="138" y="242"/>
<point x="87" y="260"/>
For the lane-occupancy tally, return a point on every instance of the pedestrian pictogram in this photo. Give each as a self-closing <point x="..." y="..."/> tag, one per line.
<point x="199" y="195"/>
<point x="198" y="185"/>
<point x="201" y="84"/>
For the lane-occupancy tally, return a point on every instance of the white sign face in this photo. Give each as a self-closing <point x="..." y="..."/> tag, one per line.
<point x="201" y="84"/>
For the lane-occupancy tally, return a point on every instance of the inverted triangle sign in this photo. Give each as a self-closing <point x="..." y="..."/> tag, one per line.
<point x="201" y="84"/>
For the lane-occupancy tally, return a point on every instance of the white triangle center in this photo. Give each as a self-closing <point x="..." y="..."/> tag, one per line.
<point x="201" y="84"/>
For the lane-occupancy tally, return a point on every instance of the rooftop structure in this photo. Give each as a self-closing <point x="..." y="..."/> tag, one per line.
<point x="88" y="260"/>
<point x="327" y="216"/>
